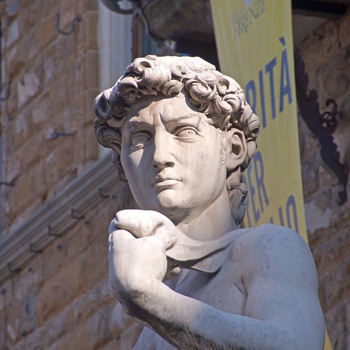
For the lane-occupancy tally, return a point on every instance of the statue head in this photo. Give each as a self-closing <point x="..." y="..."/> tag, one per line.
<point x="206" y="91"/>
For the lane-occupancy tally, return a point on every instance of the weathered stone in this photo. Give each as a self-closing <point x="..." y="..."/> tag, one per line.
<point x="12" y="8"/>
<point x="13" y="33"/>
<point x="27" y="321"/>
<point x="46" y="32"/>
<point x="318" y="212"/>
<point x="309" y="176"/>
<point x="100" y="332"/>
<point x="129" y="337"/>
<point x="120" y="321"/>
<point x="27" y="88"/>
<point x="335" y="286"/>
<point x="339" y="317"/>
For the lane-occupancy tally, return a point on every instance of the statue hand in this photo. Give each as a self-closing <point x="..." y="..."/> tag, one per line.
<point x="142" y="223"/>
<point x="135" y="264"/>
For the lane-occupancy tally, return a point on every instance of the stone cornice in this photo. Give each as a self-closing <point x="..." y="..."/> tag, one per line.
<point x="59" y="214"/>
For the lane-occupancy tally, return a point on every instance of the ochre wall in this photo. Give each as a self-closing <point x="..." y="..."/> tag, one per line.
<point x="54" y="81"/>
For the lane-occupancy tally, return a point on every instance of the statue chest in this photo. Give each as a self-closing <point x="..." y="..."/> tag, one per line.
<point x="223" y="290"/>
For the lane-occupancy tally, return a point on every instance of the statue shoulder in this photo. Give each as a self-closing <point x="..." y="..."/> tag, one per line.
<point x="274" y="249"/>
<point x="271" y="237"/>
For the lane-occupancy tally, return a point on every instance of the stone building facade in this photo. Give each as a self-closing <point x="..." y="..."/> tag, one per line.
<point x="325" y="52"/>
<point x="60" y="193"/>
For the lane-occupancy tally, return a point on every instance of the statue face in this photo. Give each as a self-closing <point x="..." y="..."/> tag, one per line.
<point x="173" y="159"/>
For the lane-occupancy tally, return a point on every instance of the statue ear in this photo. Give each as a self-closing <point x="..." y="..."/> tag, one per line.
<point x="236" y="151"/>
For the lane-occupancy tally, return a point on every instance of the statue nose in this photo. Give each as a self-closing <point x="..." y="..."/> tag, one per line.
<point x="162" y="157"/>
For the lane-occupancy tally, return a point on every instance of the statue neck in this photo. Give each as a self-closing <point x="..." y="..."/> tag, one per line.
<point x="212" y="222"/>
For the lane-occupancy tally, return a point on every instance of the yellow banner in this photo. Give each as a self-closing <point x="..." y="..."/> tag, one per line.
<point x="254" y="40"/>
<point x="255" y="46"/>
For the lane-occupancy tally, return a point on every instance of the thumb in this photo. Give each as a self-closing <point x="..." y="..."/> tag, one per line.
<point x="141" y="223"/>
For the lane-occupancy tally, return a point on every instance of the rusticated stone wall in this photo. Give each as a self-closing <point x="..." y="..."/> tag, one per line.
<point x="62" y="300"/>
<point x="326" y="53"/>
<point x="54" y="79"/>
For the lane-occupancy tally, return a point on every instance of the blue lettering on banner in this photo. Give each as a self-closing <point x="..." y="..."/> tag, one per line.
<point x="256" y="186"/>
<point x="259" y="176"/>
<point x="289" y="211"/>
<point x="247" y="18"/>
<point x="269" y="69"/>
<point x="292" y="221"/>
<point x="257" y="199"/>
<point x="262" y="98"/>
<point x="285" y="88"/>
<point x="268" y="76"/>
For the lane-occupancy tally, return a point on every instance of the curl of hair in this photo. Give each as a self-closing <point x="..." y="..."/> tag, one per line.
<point x="216" y="95"/>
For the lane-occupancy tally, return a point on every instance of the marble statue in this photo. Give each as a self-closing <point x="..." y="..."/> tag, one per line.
<point x="182" y="135"/>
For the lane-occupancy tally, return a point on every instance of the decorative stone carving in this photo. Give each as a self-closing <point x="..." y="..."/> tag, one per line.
<point x="182" y="135"/>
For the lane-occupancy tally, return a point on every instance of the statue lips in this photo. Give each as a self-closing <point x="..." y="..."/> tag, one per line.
<point x="163" y="181"/>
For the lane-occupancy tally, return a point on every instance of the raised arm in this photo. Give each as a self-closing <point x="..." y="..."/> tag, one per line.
<point x="282" y="307"/>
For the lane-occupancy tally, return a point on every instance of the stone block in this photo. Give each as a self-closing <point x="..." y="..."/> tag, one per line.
<point x="338" y="322"/>
<point x="91" y="148"/>
<point x="318" y="212"/>
<point x="90" y="30"/>
<point x="129" y="337"/>
<point x="334" y="288"/>
<point x="60" y="290"/>
<point x="78" y="338"/>
<point x="91" y="5"/>
<point x="113" y="345"/>
<point x="41" y="112"/>
<point x="100" y="332"/>
<point x="344" y="28"/>
<point x="17" y="57"/>
<point x="120" y="321"/>
<point x="333" y="82"/>
<point x="27" y="87"/>
<point x="12" y="8"/>
<point x="91" y="70"/>
<point x="58" y="326"/>
<point x="319" y="47"/>
<point x="13" y="33"/>
<point x="88" y="109"/>
<point x="13" y="169"/>
<point x="46" y="31"/>
<point x="33" y="150"/>
<point x="309" y="176"/>
<point x="332" y="252"/>
<point x="27" y="322"/>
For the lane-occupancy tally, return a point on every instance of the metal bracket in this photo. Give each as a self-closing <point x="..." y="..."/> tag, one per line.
<point x="13" y="270"/>
<point x="72" y="26"/>
<point x="102" y="195"/>
<point x="33" y="249"/>
<point x="53" y="234"/>
<point x="329" y="119"/>
<point x="12" y="184"/>
<point x="55" y="135"/>
<point x="76" y="216"/>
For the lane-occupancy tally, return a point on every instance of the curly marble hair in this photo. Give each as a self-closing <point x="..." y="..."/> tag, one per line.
<point x="218" y="96"/>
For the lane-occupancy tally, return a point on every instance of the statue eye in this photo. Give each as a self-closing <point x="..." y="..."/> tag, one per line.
<point x="140" y="139"/>
<point x="186" y="132"/>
